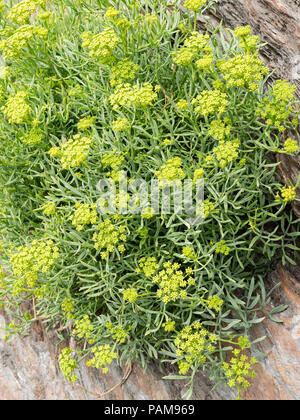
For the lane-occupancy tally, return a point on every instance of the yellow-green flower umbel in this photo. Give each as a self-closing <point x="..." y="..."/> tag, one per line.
<point x="194" y="5"/>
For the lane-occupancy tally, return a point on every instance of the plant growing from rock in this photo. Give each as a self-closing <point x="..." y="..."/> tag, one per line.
<point x="129" y="90"/>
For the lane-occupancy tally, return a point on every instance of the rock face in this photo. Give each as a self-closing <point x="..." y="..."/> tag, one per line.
<point x="278" y="374"/>
<point x="289" y="170"/>
<point x="277" y="22"/>
<point x="29" y="368"/>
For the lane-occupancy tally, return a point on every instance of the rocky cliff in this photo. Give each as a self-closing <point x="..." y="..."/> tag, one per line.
<point x="29" y="369"/>
<point x="277" y="22"/>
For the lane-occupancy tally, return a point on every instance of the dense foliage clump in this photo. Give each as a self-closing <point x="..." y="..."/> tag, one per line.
<point x="95" y="92"/>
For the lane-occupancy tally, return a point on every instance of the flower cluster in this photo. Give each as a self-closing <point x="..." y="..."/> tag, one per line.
<point x="39" y="256"/>
<point x="68" y="364"/>
<point x="118" y="333"/>
<point x="227" y="152"/>
<point x="291" y="146"/>
<point x="84" y="329"/>
<point x="148" y="212"/>
<point x="205" y="63"/>
<point x="194" y="5"/>
<point x="198" y="174"/>
<point x="192" y="46"/>
<point x="129" y="95"/>
<point x="74" y="152"/>
<point x="122" y="71"/>
<point x="122" y="23"/>
<point x="114" y="160"/>
<point x="101" y="45"/>
<point x="103" y="356"/>
<point x="243" y="71"/>
<point x="172" y="282"/>
<point x="121" y="124"/>
<point x="286" y="194"/>
<point x="111" y="13"/>
<point x="85" y="123"/>
<point x="68" y="308"/>
<point x="20" y="39"/>
<point x="222" y="248"/>
<point x="283" y="91"/>
<point x="49" y="208"/>
<point x="44" y="16"/>
<point x="247" y="41"/>
<point x="169" y="325"/>
<point x="21" y="12"/>
<point x="182" y="105"/>
<point x="33" y="137"/>
<point x="109" y="238"/>
<point x="148" y="265"/>
<point x="114" y="201"/>
<point x="189" y="253"/>
<point x="171" y="172"/>
<point x="166" y="142"/>
<point x="238" y="370"/>
<point x="214" y="302"/>
<point x="210" y="102"/>
<point x="85" y="214"/>
<point x="250" y="43"/>
<point x="243" y="342"/>
<point x="276" y="109"/>
<point x="219" y="129"/>
<point x="41" y="291"/>
<point x="16" y="109"/>
<point x="205" y="208"/>
<point x="193" y="344"/>
<point x="242" y="31"/>
<point x="75" y="91"/>
<point x="130" y="294"/>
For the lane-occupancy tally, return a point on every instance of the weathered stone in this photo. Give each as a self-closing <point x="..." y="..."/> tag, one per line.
<point x="29" y="367"/>
<point x="278" y="374"/>
<point x="29" y="370"/>
<point x="289" y="170"/>
<point x="277" y="22"/>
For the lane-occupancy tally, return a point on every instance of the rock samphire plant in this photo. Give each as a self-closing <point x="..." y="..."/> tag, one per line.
<point x="105" y="106"/>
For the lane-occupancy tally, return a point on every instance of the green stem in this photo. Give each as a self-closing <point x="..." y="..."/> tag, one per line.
<point x="195" y="21"/>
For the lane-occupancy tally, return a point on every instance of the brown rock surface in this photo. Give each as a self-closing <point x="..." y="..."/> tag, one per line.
<point x="277" y="22"/>
<point x="278" y="374"/>
<point x="29" y="370"/>
<point x="289" y="170"/>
